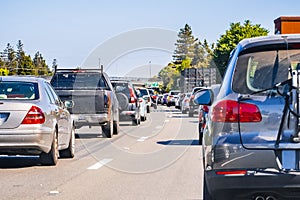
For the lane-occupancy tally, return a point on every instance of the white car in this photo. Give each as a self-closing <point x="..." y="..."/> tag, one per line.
<point x="146" y="95"/>
<point x="34" y="121"/>
<point x="143" y="109"/>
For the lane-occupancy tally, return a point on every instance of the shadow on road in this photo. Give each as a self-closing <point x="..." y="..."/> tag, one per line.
<point x="19" y="161"/>
<point x="179" y="142"/>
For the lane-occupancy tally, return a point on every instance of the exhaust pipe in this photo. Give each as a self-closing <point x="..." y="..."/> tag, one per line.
<point x="260" y="198"/>
<point x="270" y="198"/>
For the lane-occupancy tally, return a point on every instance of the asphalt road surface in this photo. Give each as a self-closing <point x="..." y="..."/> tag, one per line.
<point x="159" y="159"/>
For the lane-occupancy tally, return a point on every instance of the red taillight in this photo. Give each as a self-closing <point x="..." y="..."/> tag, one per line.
<point x="205" y="108"/>
<point x="140" y="100"/>
<point x="233" y="172"/>
<point x="34" y="116"/>
<point x="233" y="111"/>
<point x="132" y="96"/>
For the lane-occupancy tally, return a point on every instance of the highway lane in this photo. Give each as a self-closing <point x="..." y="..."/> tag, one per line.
<point x="159" y="159"/>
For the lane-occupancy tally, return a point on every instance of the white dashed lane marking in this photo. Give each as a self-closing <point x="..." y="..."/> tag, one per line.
<point x="142" y="139"/>
<point x="100" y="164"/>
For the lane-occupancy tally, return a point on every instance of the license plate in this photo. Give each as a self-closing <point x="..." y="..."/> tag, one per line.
<point x="3" y="117"/>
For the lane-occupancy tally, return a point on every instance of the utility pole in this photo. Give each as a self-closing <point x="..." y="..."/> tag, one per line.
<point x="150" y="69"/>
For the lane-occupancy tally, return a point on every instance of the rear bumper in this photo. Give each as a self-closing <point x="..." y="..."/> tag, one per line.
<point x="90" y="119"/>
<point x="25" y="142"/>
<point x="276" y="184"/>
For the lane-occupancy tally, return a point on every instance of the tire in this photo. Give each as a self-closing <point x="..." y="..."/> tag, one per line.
<point x="200" y="129"/>
<point x="123" y="101"/>
<point x="135" y="122"/>
<point x="107" y="129"/>
<point x="70" y="151"/>
<point x="116" y="127"/>
<point x="51" y="158"/>
<point x="148" y="109"/>
<point x="191" y="113"/>
<point x="206" y="194"/>
<point x="143" y="118"/>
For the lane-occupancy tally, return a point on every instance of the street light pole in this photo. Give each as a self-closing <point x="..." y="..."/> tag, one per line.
<point x="150" y="69"/>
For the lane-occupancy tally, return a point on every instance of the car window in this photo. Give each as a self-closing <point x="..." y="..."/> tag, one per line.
<point x="144" y="92"/>
<point x="75" y="80"/>
<point x="253" y="68"/>
<point x="18" y="90"/>
<point x="49" y="94"/>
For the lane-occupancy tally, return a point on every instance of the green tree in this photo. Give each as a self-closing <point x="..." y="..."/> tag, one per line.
<point x="169" y="76"/>
<point x="40" y="66"/>
<point x="184" y="46"/>
<point x="231" y="38"/>
<point x="11" y="62"/>
<point x="25" y="64"/>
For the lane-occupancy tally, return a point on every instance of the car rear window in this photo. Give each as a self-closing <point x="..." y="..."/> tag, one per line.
<point x="264" y="68"/>
<point x="18" y="90"/>
<point x="75" y="80"/>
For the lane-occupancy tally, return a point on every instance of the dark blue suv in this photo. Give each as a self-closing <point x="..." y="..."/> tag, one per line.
<point x="251" y="141"/>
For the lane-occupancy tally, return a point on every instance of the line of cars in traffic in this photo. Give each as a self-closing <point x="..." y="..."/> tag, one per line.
<point x="39" y="117"/>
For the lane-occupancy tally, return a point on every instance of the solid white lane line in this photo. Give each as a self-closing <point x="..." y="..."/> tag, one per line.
<point x="100" y="164"/>
<point x="142" y="139"/>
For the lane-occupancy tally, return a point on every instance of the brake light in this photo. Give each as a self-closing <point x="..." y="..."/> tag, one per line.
<point x="132" y="98"/>
<point x="233" y="172"/>
<point x="34" y="116"/>
<point x="233" y="111"/>
<point x="205" y="108"/>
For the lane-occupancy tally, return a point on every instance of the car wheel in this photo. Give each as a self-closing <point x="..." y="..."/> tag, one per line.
<point x="116" y="127"/>
<point x="200" y="133"/>
<point x="148" y="109"/>
<point x="135" y="121"/>
<point x="70" y="151"/>
<point x="143" y="118"/>
<point x="107" y="129"/>
<point x="206" y="194"/>
<point x="51" y="157"/>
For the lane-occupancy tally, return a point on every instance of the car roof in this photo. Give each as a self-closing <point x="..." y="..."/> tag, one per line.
<point x="22" y="78"/>
<point x="271" y="39"/>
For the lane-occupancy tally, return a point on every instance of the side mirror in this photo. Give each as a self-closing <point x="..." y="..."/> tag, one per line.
<point x="69" y="104"/>
<point x="204" y="97"/>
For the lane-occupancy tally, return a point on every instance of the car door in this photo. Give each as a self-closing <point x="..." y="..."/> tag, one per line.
<point x="62" y="116"/>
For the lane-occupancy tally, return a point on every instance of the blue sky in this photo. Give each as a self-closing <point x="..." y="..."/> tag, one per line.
<point x="69" y="30"/>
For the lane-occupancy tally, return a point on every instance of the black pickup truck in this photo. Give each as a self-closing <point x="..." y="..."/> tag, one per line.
<point x="95" y="103"/>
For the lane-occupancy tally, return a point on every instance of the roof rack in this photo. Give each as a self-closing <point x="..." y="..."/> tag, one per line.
<point x="72" y="69"/>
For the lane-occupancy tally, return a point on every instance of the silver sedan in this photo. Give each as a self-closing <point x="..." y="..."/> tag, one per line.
<point x="34" y="121"/>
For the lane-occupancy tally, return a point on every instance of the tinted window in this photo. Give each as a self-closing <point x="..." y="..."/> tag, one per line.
<point x="18" y="90"/>
<point x="144" y="92"/>
<point x="75" y="80"/>
<point x="261" y="70"/>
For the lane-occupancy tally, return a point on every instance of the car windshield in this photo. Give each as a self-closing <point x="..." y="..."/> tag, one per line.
<point x="74" y="80"/>
<point x="144" y="92"/>
<point x="175" y="93"/>
<point x="253" y="68"/>
<point x="18" y="90"/>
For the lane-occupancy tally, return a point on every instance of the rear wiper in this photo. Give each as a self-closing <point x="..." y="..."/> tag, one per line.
<point x="276" y="86"/>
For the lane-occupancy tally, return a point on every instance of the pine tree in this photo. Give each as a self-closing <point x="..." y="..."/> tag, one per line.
<point x="40" y="66"/>
<point x="184" y="45"/>
<point x="199" y="54"/>
<point x="11" y="59"/>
